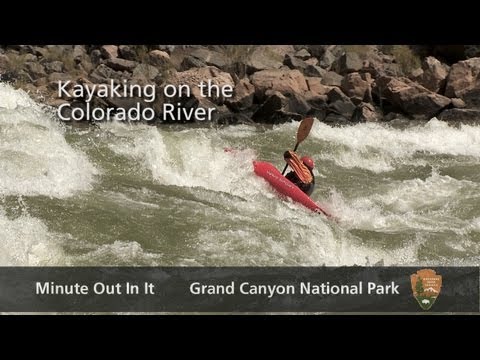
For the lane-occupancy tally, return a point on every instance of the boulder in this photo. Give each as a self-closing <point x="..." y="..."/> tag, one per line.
<point x="460" y="115"/>
<point x="356" y="88"/>
<point x="35" y="70"/>
<point x="4" y="63"/>
<point x="464" y="76"/>
<point x="54" y="66"/>
<point x="79" y="53"/>
<point x="270" y="106"/>
<point x="458" y="103"/>
<point x="366" y="112"/>
<point x="103" y="74"/>
<point x="327" y="60"/>
<point x="267" y="57"/>
<point x="242" y="98"/>
<point x="297" y="104"/>
<point x="121" y="64"/>
<point x="315" y="86"/>
<point x="411" y="97"/>
<point x="312" y="61"/>
<point x="331" y="78"/>
<point x="303" y="54"/>
<point x="96" y="57"/>
<point x="295" y="63"/>
<point x="434" y="74"/>
<point x="193" y="77"/>
<point x="340" y="103"/>
<point x="158" y="57"/>
<point x="55" y="77"/>
<point x="349" y="62"/>
<point x="145" y="72"/>
<point x="313" y="70"/>
<point x="109" y="51"/>
<point x="209" y="57"/>
<point x="189" y="62"/>
<point x="281" y="80"/>
<point x="127" y="52"/>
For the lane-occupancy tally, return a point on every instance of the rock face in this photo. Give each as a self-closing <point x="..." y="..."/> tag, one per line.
<point x="410" y="97"/>
<point x="272" y="83"/>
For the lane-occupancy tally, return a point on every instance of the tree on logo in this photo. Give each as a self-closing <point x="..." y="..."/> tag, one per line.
<point x="419" y="286"/>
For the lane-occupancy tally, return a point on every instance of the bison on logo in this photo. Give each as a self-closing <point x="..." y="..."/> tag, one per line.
<point x="426" y="286"/>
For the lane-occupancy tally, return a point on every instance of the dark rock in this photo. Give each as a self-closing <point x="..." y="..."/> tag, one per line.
<point x="315" y="71"/>
<point x="109" y="51"/>
<point x="242" y="96"/>
<point x="366" y="112"/>
<point x="189" y="62"/>
<point x="127" y="52"/>
<point x="103" y="74"/>
<point x="35" y="70"/>
<point x="460" y="115"/>
<point x="271" y="105"/>
<point x="317" y="50"/>
<point x="297" y="104"/>
<point x="212" y="58"/>
<point x="335" y="119"/>
<point x="121" y="64"/>
<point x="331" y="78"/>
<point x="40" y="51"/>
<point x="79" y="53"/>
<point x="336" y="94"/>
<point x="54" y="66"/>
<point x="327" y="60"/>
<point x="96" y="57"/>
<point x="294" y="63"/>
<point x="349" y="62"/>
<point x="303" y="54"/>
<point x="411" y="97"/>
<point x="344" y="108"/>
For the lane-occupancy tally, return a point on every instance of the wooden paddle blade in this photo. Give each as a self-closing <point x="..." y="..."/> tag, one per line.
<point x="304" y="129"/>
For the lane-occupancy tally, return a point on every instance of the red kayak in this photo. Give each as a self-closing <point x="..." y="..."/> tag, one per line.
<point x="285" y="186"/>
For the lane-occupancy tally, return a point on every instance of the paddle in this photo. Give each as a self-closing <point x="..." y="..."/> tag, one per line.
<point x="302" y="133"/>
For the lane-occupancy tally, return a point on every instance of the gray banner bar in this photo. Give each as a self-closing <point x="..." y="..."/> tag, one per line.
<point x="239" y="289"/>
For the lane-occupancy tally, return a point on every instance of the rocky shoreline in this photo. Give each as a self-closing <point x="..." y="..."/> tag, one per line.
<point x="271" y="83"/>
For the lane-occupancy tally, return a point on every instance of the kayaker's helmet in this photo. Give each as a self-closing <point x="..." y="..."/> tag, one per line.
<point x="308" y="161"/>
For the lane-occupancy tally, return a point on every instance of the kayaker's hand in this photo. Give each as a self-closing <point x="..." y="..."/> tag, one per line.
<point x="287" y="155"/>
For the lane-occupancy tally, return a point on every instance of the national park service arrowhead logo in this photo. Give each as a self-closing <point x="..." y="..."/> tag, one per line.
<point x="426" y="286"/>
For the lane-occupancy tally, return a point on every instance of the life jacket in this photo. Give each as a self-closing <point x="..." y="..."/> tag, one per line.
<point x="300" y="169"/>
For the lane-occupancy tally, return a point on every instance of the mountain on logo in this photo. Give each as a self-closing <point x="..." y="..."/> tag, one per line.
<point x="426" y="286"/>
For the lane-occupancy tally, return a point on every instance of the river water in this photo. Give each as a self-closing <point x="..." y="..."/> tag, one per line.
<point x="120" y="194"/>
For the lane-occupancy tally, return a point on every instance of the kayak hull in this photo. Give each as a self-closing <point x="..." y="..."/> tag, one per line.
<point x="284" y="186"/>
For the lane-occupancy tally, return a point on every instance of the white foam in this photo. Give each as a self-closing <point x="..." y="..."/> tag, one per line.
<point x="377" y="147"/>
<point x="26" y="241"/>
<point x="186" y="158"/>
<point x="35" y="158"/>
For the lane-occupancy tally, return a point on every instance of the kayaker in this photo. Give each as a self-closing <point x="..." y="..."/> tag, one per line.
<point x="302" y="171"/>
